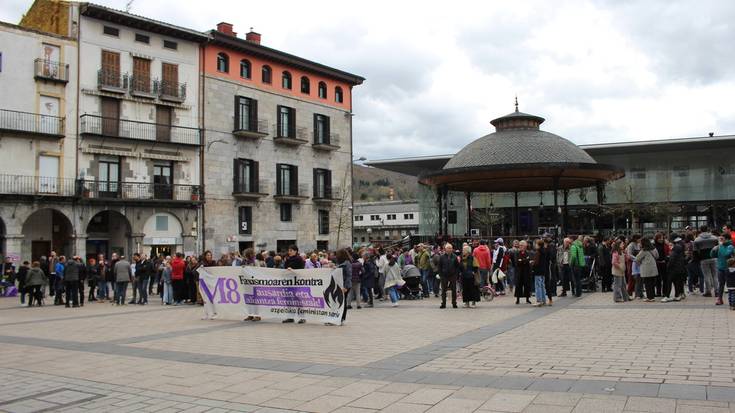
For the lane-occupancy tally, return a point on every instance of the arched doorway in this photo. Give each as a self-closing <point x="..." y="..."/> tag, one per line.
<point x="163" y="235"/>
<point x="44" y="231"/>
<point x="108" y="232"/>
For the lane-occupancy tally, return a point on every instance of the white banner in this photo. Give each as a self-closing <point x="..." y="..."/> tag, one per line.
<point x="234" y="293"/>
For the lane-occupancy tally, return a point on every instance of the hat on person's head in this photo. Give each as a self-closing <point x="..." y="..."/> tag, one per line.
<point x="499" y="241"/>
<point x="677" y="239"/>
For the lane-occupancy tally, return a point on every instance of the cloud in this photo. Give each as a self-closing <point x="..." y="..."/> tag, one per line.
<point x="597" y="70"/>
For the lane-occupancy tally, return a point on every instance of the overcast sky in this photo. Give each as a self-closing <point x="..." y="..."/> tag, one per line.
<point x="437" y="73"/>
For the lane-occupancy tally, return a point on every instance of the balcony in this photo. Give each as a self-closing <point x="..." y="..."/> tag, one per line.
<point x="255" y="130"/>
<point x="31" y="123"/>
<point x="301" y="137"/>
<point x="51" y="71"/>
<point x="110" y="80"/>
<point x="326" y="195"/>
<point x="244" y="190"/>
<point x="140" y="131"/>
<point x="326" y="143"/>
<point x="138" y="191"/>
<point x="37" y="185"/>
<point x="292" y="194"/>
<point x="143" y="87"/>
<point x="172" y="91"/>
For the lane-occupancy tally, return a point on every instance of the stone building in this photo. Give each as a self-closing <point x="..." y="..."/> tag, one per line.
<point x="38" y="142"/>
<point x="278" y="151"/>
<point x="136" y="157"/>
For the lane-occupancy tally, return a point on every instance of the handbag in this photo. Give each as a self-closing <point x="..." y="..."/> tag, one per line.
<point x="498" y="275"/>
<point x="494" y="278"/>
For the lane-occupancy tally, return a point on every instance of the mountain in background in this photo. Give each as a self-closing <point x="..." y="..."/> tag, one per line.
<point x="372" y="184"/>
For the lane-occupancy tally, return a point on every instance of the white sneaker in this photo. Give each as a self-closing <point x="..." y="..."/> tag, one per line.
<point x="665" y="300"/>
<point x="205" y="317"/>
<point x="213" y="316"/>
<point x="395" y="304"/>
<point x="677" y="298"/>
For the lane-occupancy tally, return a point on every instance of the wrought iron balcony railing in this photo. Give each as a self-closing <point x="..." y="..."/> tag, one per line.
<point x="33" y="123"/>
<point x="36" y="185"/>
<point x="248" y="190"/>
<point x="144" y="86"/>
<point x="111" y="80"/>
<point x="144" y="131"/>
<point x="95" y="189"/>
<point x="252" y="129"/>
<point x="172" y="91"/>
<point x="50" y="70"/>
<point x="329" y="142"/>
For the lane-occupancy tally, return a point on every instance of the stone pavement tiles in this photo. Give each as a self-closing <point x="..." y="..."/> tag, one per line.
<point x="580" y="355"/>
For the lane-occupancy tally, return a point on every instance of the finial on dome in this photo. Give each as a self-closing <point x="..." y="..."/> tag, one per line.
<point x="516" y="103"/>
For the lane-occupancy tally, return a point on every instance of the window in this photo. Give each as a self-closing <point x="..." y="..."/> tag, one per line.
<point x="170" y="44"/>
<point x="374" y="217"/>
<point x="245" y="69"/>
<point x="245" y="219"/>
<point x="338" y="94"/>
<point x="141" y="75"/>
<point x="322" y="184"/>
<point x="323" y="220"/>
<point x="452" y="217"/>
<point x="391" y="217"/>
<point x="163" y="180"/>
<point x="287" y="179"/>
<point x="161" y="223"/>
<point x="286" y="122"/>
<point x="286" y="80"/>
<point x="142" y="38"/>
<point x="164" y="115"/>
<point x="108" y="177"/>
<point x="266" y="74"/>
<point x="358" y="217"/>
<point x="170" y="81"/>
<point x="638" y="173"/>
<point x="321" y="129"/>
<point x="111" y="31"/>
<point x="223" y="63"/>
<point x="305" y="85"/>
<point x="407" y="216"/>
<point x="110" y="73"/>
<point x="246" y="114"/>
<point x="681" y="171"/>
<point x="322" y="90"/>
<point x="245" y="176"/>
<point x="286" y="212"/>
<point x="322" y="245"/>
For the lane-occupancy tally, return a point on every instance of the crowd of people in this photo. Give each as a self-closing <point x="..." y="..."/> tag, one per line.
<point x="636" y="267"/>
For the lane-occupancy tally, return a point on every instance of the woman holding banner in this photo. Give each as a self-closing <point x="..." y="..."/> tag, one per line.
<point x="249" y="260"/>
<point x="345" y="263"/>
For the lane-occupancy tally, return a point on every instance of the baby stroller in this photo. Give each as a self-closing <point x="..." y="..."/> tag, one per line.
<point x="488" y="292"/>
<point x="412" y="289"/>
<point x="589" y="276"/>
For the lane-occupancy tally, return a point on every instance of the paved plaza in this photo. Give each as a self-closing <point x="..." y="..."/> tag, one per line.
<point x="581" y="355"/>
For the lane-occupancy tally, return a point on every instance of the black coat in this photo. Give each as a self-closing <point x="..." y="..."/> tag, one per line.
<point x="677" y="264"/>
<point x="449" y="265"/>
<point x="369" y="273"/>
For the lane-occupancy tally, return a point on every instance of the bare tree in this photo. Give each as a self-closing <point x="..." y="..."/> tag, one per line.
<point x="343" y="195"/>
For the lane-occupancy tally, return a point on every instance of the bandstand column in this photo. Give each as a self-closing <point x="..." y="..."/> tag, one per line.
<point x="515" y="214"/>
<point x="468" y="196"/>
<point x="556" y="205"/>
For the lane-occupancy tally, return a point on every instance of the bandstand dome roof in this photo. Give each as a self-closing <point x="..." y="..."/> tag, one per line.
<point x="519" y="157"/>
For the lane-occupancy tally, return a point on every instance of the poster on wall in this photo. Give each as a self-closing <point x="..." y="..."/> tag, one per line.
<point x="233" y="293"/>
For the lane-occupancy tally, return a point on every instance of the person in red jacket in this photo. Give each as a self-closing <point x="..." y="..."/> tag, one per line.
<point x="484" y="260"/>
<point x="177" y="278"/>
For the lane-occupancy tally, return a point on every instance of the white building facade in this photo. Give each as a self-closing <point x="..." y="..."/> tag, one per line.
<point x="385" y="221"/>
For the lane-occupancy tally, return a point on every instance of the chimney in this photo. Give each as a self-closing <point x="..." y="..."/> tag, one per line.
<point x="226" y="28"/>
<point x="251" y="36"/>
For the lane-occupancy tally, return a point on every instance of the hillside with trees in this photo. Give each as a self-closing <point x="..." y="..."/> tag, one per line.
<point x="372" y="184"/>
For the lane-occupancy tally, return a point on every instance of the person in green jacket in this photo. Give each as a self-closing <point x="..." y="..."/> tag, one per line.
<point x="722" y="252"/>
<point x="423" y="262"/>
<point x="577" y="264"/>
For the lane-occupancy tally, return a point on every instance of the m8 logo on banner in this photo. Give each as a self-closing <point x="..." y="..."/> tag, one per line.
<point x="225" y="288"/>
